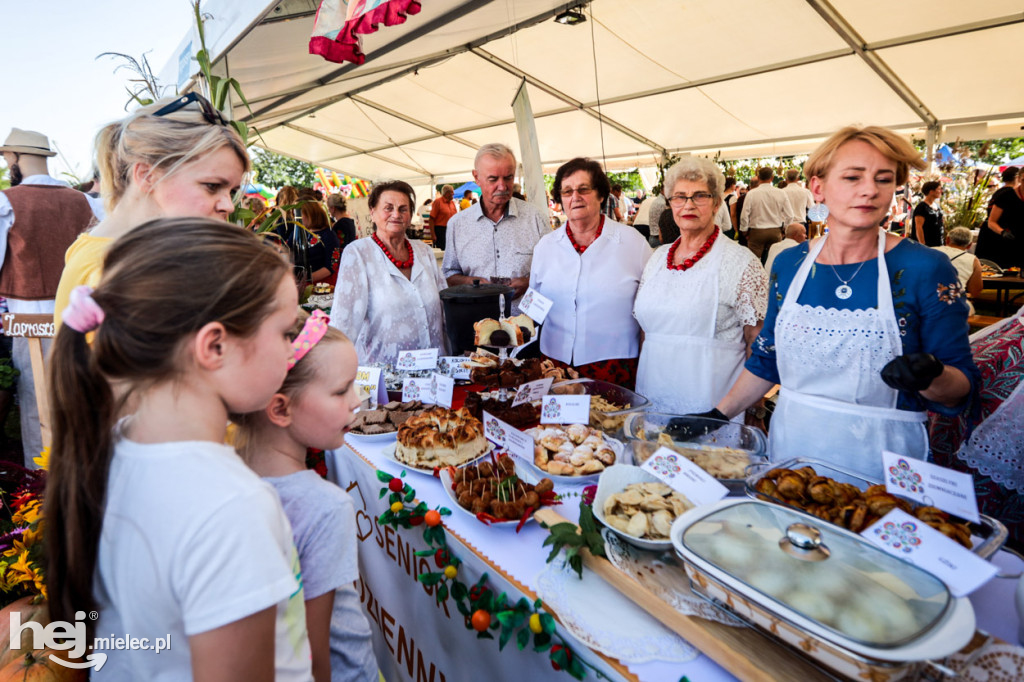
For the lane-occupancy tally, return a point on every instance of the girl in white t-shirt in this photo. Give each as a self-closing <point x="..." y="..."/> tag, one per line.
<point x="313" y="409"/>
<point x="151" y="519"/>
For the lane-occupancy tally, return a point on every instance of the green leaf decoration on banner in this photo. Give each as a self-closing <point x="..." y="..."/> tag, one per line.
<point x="522" y="639"/>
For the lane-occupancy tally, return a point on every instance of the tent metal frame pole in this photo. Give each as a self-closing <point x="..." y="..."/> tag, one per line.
<point x="327" y="138"/>
<point x="554" y="92"/>
<point x="845" y="31"/>
<point x="443" y="20"/>
<point x="409" y="119"/>
<point x="930" y="138"/>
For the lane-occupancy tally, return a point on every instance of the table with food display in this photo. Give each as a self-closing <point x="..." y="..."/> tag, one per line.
<point x="630" y="544"/>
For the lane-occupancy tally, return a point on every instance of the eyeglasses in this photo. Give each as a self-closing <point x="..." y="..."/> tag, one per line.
<point x="212" y="116"/>
<point x="698" y="199"/>
<point x="582" y="190"/>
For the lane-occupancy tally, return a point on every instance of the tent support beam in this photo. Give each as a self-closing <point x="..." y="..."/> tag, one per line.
<point x="327" y="138"/>
<point x="845" y="31"/>
<point x="554" y="92"/>
<point x="948" y="32"/>
<point x="442" y="21"/>
<point x="409" y="119"/>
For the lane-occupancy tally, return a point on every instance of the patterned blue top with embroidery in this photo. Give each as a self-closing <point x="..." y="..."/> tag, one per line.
<point x="930" y="309"/>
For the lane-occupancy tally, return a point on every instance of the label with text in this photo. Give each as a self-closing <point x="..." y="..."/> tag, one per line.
<point x="951" y="491"/>
<point x="910" y="539"/>
<point x="509" y="437"/>
<point x="533" y="390"/>
<point x="369" y="380"/>
<point x="442" y="388"/>
<point x="535" y="305"/>
<point x="451" y="365"/>
<point x="565" y="409"/>
<point x="681" y="474"/>
<point x="408" y="360"/>
<point x="28" y="325"/>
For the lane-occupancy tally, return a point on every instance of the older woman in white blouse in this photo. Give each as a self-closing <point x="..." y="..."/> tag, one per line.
<point x="386" y="299"/>
<point x="590" y="269"/>
<point x="701" y="302"/>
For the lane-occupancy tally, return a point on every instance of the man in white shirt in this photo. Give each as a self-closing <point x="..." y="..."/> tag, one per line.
<point x="765" y="210"/>
<point x="642" y="221"/>
<point x="800" y="198"/>
<point x="40" y="216"/>
<point x="493" y="239"/>
<point x="796" y="233"/>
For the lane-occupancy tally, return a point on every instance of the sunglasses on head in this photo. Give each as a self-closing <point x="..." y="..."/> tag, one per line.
<point x="212" y="116"/>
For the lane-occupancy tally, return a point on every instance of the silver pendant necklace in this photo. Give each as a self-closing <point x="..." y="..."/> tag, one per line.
<point x="844" y="290"/>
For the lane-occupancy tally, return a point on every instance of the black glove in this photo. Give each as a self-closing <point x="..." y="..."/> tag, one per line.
<point x="1007" y="235"/>
<point x="695" y="425"/>
<point x="913" y="372"/>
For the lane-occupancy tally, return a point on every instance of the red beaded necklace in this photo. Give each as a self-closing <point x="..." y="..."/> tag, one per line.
<point x="581" y="249"/>
<point x="401" y="265"/>
<point x="692" y="260"/>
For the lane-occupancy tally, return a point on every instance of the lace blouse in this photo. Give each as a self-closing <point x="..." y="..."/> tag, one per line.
<point x="382" y="311"/>
<point x="742" y="292"/>
<point x="931" y="309"/>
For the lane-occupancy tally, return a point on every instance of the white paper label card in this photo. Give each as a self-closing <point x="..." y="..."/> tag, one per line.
<point x="681" y="474"/>
<point x="910" y="539"/>
<point x="495" y="430"/>
<point x="451" y="365"/>
<point x="507" y="436"/>
<point x="442" y="387"/>
<point x="425" y="358"/>
<point x="534" y="390"/>
<point x="932" y="485"/>
<point x="565" y="409"/>
<point x="369" y="379"/>
<point x="535" y="305"/>
<point x="418" y="388"/>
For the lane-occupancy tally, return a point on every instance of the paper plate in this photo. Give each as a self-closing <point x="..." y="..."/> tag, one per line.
<point x="389" y="437"/>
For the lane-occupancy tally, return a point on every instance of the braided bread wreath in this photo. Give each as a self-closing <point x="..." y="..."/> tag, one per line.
<point x="439" y="437"/>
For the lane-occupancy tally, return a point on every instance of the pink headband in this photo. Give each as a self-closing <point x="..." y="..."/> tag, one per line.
<point x="312" y="331"/>
<point x="83" y="314"/>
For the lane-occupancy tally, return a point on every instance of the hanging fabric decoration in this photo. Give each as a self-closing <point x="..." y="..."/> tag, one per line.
<point x="340" y="23"/>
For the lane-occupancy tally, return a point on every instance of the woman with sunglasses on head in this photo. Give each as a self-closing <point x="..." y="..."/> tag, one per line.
<point x="173" y="158"/>
<point x="590" y="269"/>
<point x="701" y="301"/>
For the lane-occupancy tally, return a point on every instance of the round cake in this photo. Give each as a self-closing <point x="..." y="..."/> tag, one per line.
<point x="438" y="438"/>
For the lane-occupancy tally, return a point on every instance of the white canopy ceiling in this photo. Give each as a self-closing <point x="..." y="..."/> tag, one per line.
<point x="636" y="80"/>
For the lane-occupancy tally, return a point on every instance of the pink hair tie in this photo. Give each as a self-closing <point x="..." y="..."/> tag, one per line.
<point x="83" y="314"/>
<point x="312" y="331"/>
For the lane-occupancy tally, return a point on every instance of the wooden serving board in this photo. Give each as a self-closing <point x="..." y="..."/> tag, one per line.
<point x="744" y="652"/>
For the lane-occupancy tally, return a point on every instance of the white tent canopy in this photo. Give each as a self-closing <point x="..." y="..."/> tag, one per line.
<point x="635" y="81"/>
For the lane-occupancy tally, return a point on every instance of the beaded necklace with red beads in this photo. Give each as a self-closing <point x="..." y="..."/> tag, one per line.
<point x="581" y="249"/>
<point x="400" y="264"/>
<point x="692" y="260"/>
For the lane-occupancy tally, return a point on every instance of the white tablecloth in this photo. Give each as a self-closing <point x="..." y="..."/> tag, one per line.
<point x="522" y="557"/>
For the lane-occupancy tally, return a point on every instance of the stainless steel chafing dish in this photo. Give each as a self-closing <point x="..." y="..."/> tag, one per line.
<point x="821" y="589"/>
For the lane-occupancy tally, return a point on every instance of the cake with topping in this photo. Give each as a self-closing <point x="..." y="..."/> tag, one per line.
<point x="439" y="437"/>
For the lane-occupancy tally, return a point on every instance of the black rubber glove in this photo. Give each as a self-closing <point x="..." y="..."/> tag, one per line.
<point x="1007" y="235"/>
<point x="697" y="425"/>
<point x="913" y="372"/>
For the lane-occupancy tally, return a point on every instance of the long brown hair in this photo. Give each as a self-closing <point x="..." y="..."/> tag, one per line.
<point x="231" y="277"/>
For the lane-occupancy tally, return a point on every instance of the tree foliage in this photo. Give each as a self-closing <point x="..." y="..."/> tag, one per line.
<point x="276" y="170"/>
<point x="5" y="181"/>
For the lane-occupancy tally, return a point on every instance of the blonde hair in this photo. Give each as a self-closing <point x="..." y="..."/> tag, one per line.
<point x="298" y="377"/>
<point x="165" y="143"/>
<point x="889" y="144"/>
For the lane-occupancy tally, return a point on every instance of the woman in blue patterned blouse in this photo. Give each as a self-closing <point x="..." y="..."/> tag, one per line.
<point x="864" y="331"/>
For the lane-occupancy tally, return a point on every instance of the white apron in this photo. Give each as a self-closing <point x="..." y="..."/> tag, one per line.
<point x="683" y="369"/>
<point x="833" y="405"/>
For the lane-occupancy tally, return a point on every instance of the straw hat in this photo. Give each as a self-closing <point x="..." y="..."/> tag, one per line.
<point x="27" y="142"/>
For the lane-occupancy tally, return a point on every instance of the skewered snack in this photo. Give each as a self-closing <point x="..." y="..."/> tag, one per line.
<point x="493" y="489"/>
<point x="847" y="506"/>
<point x="439" y="437"/>
<point x="574" y="450"/>
<point x="385" y="419"/>
<point x="645" y="510"/>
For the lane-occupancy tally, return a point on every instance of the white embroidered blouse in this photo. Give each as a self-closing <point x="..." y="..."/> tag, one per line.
<point x="382" y="311"/>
